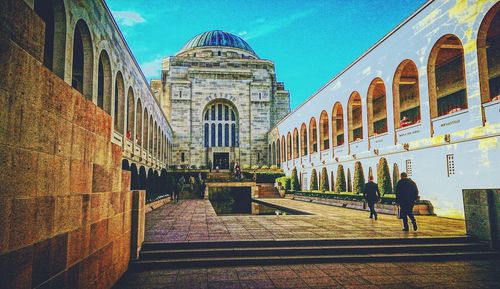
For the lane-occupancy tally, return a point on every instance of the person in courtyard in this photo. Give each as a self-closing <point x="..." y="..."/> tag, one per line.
<point x="372" y="196"/>
<point x="406" y="195"/>
<point x="176" y="192"/>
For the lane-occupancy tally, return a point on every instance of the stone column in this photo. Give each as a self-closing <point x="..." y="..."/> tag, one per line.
<point x="482" y="214"/>
<point x="138" y="223"/>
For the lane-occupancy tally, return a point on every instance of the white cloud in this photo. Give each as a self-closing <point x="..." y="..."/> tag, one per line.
<point x="128" y="18"/>
<point x="152" y="68"/>
<point x="262" y="26"/>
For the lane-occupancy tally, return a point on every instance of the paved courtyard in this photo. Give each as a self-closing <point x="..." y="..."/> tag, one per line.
<point x="466" y="274"/>
<point x="196" y="220"/>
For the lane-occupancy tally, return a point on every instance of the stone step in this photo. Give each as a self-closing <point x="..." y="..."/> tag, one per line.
<point x="311" y="251"/>
<point x="305" y="243"/>
<point x="142" y="265"/>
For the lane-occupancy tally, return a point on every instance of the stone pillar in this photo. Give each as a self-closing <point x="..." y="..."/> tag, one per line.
<point x="482" y="214"/>
<point x="138" y="222"/>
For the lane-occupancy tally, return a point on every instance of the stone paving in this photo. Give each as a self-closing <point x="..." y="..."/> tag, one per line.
<point x="463" y="274"/>
<point x="196" y="220"/>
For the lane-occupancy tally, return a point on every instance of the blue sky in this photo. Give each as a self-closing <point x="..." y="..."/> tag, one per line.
<point x="309" y="41"/>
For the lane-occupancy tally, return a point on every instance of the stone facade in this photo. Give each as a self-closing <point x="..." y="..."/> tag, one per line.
<point x="194" y="79"/>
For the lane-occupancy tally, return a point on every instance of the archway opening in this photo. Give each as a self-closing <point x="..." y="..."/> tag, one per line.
<point x="53" y="14"/>
<point x="119" y="101"/>
<point x="104" y="82"/>
<point x="313" y="136"/>
<point x="406" y="101"/>
<point x="355" y="117"/>
<point x="295" y="143"/>
<point x="377" y="108"/>
<point x="446" y="73"/>
<point x="289" y="146"/>
<point x="488" y="48"/>
<point x="303" y="140"/>
<point x="83" y="59"/>
<point x="338" y="125"/>
<point x="324" y="131"/>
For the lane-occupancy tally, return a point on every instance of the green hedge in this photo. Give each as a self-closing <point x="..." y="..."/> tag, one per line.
<point x="267" y="177"/>
<point x="285" y="182"/>
<point x="389" y="199"/>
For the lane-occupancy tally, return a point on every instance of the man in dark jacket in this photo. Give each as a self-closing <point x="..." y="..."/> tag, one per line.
<point x="372" y="196"/>
<point x="406" y="195"/>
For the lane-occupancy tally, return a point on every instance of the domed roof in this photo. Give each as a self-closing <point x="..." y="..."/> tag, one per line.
<point x="217" y="38"/>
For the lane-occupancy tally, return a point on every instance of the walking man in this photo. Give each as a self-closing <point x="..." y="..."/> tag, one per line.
<point x="372" y="196"/>
<point x="406" y="195"/>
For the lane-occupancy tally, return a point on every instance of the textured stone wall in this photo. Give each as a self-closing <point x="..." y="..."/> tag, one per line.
<point x="247" y="84"/>
<point x="65" y="203"/>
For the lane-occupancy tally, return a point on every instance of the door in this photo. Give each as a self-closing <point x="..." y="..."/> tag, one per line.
<point x="221" y="160"/>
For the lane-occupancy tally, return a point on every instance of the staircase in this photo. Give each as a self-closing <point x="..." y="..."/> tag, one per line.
<point x="271" y="252"/>
<point x="268" y="191"/>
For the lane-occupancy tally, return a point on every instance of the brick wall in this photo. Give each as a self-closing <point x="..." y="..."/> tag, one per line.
<point x="65" y="203"/>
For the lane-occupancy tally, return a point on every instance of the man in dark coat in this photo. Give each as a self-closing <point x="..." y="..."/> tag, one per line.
<point x="406" y="195"/>
<point x="372" y="196"/>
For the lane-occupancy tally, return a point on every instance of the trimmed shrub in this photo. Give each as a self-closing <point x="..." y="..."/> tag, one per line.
<point x="245" y="167"/>
<point x="285" y="182"/>
<point x="294" y="182"/>
<point x="255" y="167"/>
<point x="323" y="184"/>
<point x="340" y="182"/>
<point x="349" y="180"/>
<point x="395" y="175"/>
<point x="370" y="172"/>
<point x="274" y="167"/>
<point x="384" y="177"/>
<point x="332" y="185"/>
<point x="265" y="167"/>
<point x="359" y="179"/>
<point x="267" y="177"/>
<point x="387" y="199"/>
<point x="314" y="180"/>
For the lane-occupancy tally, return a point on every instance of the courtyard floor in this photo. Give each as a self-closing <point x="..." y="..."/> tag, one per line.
<point x="192" y="220"/>
<point x="464" y="274"/>
<point x="196" y="220"/>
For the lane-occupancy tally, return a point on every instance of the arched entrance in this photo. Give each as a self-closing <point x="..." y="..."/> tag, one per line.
<point x="221" y="134"/>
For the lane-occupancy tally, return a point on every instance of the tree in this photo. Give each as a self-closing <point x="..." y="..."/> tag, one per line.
<point x="370" y="172"/>
<point x="323" y="184"/>
<point x="332" y="184"/>
<point x="340" y="186"/>
<point x="384" y="177"/>
<point x="395" y="175"/>
<point x="349" y="181"/>
<point x="359" y="178"/>
<point x="294" y="183"/>
<point x="314" y="180"/>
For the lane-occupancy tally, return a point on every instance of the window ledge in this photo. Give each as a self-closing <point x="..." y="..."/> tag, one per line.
<point x="379" y="135"/>
<point x="463" y="111"/>
<point x="409" y="126"/>
<point x="356" y="141"/>
<point x="490" y="103"/>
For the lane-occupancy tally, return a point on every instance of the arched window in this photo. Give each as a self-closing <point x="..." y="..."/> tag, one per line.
<point x="226" y="134"/>
<point x="446" y="73"/>
<point x="278" y="151"/>
<point x="337" y="125"/>
<point x="53" y="14"/>
<point x="151" y="135"/>
<point x="219" y="134"/>
<point x="130" y="113"/>
<point x="313" y="136"/>
<point x="488" y="51"/>
<point x="324" y="131"/>
<point x="283" y="149"/>
<point x="406" y="100"/>
<point x="119" y="102"/>
<point x="223" y="130"/>
<point x="295" y="143"/>
<point x="355" y="117"/>
<point x="145" y="129"/>
<point x="233" y="136"/>
<point x="104" y="82"/>
<point x="303" y="140"/>
<point x="289" y="146"/>
<point x="138" y="117"/>
<point x="83" y="60"/>
<point x="213" y="133"/>
<point x="377" y="107"/>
